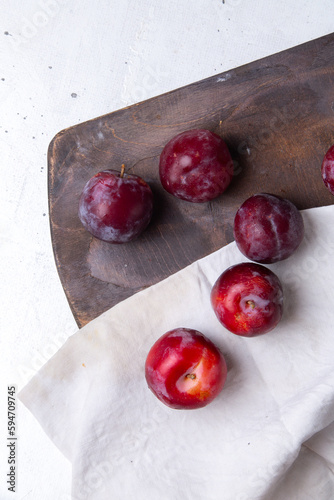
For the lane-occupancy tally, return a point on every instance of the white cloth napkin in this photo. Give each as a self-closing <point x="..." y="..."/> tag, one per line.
<point x="268" y="435"/>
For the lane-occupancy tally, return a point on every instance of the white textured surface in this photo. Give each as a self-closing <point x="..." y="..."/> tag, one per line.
<point x="66" y="61"/>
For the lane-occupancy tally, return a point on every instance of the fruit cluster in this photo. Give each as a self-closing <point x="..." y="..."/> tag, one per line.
<point x="184" y="369"/>
<point x="195" y="166"/>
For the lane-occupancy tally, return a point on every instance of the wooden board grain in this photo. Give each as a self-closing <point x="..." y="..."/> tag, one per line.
<point x="275" y="114"/>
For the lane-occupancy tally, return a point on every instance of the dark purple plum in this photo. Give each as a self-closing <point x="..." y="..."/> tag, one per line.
<point x="196" y="166"/>
<point x="268" y="228"/>
<point x="327" y="169"/>
<point x="116" y="207"/>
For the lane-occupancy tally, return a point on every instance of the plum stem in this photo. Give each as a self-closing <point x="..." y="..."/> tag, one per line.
<point x="250" y="303"/>
<point x="122" y="170"/>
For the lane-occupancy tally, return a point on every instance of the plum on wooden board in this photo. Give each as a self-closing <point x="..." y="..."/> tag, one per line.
<point x="327" y="169"/>
<point x="196" y="166"/>
<point x="247" y="299"/>
<point x="184" y="369"/>
<point x="116" y="207"/>
<point x="268" y="228"/>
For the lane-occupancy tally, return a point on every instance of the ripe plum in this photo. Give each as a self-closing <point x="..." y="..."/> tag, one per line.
<point x="196" y="166"/>
<point x="327" y="169"/>
<point x="115" y="207"/>
<point x="247" y="299"/>
<point x="268" y="228"/>
<point x="184" y="369"/>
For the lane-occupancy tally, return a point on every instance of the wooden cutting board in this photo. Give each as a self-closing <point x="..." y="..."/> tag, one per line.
<point x="277" y="117"/>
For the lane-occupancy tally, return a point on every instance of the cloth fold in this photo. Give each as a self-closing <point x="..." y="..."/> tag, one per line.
<point x="256" y="441"/>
